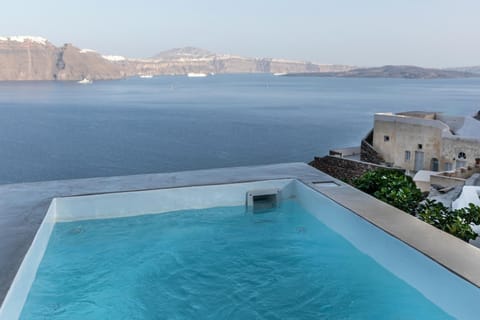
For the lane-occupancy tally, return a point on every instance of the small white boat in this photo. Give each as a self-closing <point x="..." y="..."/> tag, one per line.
<point x="196" y="75"/>
<point x="85" y="81"/>
<point x="146" y="76"/>
<point x="279" y="74"/>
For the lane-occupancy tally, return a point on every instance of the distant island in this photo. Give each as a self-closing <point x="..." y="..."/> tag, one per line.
<point x="406" y="72"/>
<point x="27" y="58"/>
<point x="472" y="69"/>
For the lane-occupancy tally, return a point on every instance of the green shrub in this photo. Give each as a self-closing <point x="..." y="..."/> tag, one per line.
<point x="400" y="191"/>
<point x="456" y="222"/>
<point x="392" y="187"/>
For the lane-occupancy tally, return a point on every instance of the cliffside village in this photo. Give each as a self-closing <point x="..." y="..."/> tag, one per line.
<point x="441" y="152"/>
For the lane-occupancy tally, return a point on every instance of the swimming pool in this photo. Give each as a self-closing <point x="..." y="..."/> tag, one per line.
<point x="197" y="252"/>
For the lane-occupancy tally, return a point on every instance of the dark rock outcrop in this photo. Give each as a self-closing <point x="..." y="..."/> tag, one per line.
<point x="477" y="116"/>
<point x="345" y="169"/>
<point x="80" y="64"/>
<point x="368" y="152"/>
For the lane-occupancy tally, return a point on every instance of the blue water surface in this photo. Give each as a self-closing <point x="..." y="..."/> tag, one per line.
<point x="62" y="130"/>
<point x="218" y="263"/>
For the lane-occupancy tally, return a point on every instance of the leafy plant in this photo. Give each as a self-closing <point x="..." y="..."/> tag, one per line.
<point x="392" y="187"/>
<point x="400" y="191"/>
<point x="456" y="222"/>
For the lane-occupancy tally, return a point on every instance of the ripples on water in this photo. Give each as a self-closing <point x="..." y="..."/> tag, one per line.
<point x="215" y="263"/>
<point x="54" y="130"/>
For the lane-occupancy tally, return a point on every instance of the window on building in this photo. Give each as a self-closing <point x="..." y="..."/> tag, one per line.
<point x="420" y="146"/>
<point x="434" y="164"/>
<point x="462" y="155"/>
<point x="407" y="155"/>
<point x="461" y="164"/>
<point x="386" y="138"/>
<point x="448" y="166"/>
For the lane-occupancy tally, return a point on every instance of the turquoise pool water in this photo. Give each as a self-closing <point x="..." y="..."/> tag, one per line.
<point x="217" y="263"/>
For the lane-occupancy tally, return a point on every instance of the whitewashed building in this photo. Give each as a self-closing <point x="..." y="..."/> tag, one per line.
<point x="427" y="140"/>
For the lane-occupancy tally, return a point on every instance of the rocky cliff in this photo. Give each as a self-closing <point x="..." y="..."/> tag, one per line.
<point x="27" y="58"/>
<point x="73" y="63"/>
<point x="190" y="59"/>
<point x="35" y="58"/>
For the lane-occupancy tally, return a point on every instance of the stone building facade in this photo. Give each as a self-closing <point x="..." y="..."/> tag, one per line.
<point x="427" y="140"/>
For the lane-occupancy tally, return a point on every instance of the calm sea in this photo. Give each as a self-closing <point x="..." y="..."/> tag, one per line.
<point x="54" y="130"/>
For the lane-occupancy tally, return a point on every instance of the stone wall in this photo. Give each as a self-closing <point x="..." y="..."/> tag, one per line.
<point x="368" y="153"/>
<point x="345" y="169"/>
<point x="452" y="146"/>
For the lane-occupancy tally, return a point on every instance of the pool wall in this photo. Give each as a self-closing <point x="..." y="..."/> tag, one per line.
<point x="124" y="204"/>
<point x="447" y="290"/>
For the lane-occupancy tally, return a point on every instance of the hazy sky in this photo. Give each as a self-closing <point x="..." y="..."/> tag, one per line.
<point x="437" y="33"/>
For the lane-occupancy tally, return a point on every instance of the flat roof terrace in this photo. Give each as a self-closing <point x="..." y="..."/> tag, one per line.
<point x="23" y="207"/>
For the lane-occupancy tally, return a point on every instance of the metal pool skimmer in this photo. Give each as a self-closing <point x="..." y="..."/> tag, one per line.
<point x="259" y="201"/>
